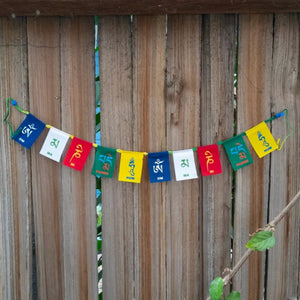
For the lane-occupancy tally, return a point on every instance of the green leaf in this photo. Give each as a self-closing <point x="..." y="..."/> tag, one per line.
<point x="261" y="241"/>
<point x="233" y="296"/>
<point x="216" y="289"/>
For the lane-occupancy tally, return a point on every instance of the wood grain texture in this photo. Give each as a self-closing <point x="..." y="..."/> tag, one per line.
<point x="283" y="260"/>
<point x="15" y="191"/>
<point x="78" y="189"/>
<point x="149" y="60"/>
<point x="183" y="126"/>
<point x="120" y="7"/>
<point x="45" y="104"/>
<point x="117" y="115"/>
<point x="253" y="106"/>
<point x="217" y="107"/>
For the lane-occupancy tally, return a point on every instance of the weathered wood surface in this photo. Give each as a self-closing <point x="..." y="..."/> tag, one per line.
<point x="121" y="7"/>
<point x="45" y="104"/>
<point x="252" y="182"/>
<point x="149" y="59"/>
<point x="64" y="219"/>
<point x="283" y="280"/>
<point x="217" y="118"/>
<point x="119" y="224"/>
<point x="183" y="123"/>
<point x="78" y="189"/>
<point x="15" y="191"/>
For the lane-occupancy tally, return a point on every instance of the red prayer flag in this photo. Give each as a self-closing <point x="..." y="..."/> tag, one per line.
<point x="77" y="154"/>
<point x="209" y="160"/>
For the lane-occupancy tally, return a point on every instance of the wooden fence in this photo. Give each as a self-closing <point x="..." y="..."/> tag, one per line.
<point x="166" y="83"/>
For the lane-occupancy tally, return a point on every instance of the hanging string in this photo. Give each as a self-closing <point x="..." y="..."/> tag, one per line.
<point x="289" y="126"/>
<point x="6" y="116"/>
<point x="14" y="103"/>
<point x="276" y="116"/>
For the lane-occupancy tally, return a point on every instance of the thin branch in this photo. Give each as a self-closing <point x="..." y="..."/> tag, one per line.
<point x="271" y="227"/>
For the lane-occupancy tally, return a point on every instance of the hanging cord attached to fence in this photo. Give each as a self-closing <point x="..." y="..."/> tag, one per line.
<point x="14" y="103"/>
<point x="278" y="115"/>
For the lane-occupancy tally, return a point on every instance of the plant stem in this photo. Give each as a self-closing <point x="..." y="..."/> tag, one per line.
<point x="270" y="225"/>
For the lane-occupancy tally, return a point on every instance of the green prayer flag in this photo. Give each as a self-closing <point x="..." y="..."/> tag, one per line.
<point x="104" y="163"/>
<point x="237" y="152"/>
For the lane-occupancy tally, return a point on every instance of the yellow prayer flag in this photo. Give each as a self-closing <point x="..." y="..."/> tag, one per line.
<point x="261" y="139"/>
<point x="131" y="166"/>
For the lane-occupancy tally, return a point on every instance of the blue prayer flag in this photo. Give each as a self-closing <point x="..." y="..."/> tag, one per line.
<point x="159" y="166"/>
<point x="29" y="131"/>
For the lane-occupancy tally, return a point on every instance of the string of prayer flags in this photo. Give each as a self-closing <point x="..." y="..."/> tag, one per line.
<point x="184" y="164"/>
<point x="209" y="159"/>
<point x="159" y="166"/>
<point x="77" y="154"/>
<point x="131" y="163"/>
<point x="54" y="144"/>
<point x="131" y="166"/>
<point x="237" y="152"/>
<point x="29" y="130"/>
<point x="104" y="163"/>
<point x="261" y="139"/>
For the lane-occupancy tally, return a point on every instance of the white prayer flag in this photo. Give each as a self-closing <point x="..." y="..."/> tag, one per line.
<point x="184" y="165"/>
<point x="54" y="144"/>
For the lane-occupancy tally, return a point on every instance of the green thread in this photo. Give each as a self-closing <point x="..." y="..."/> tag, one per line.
<point x="20" y="109"/>
<point x="14" y="103"/>
<point x="276" y="116"/>
<point x="6" y="117"/>
<point x="289" y="126"/>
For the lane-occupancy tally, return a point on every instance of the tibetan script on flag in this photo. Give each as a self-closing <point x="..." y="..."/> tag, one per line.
<point x="261" y="139"/>
<point x="159" y="166"/>
<point x="184" y="164"/>
<point x="29" y="131"/>
<point x="104" y="163"/>
<point x="131" y="165"/>
<point x="237" y="152"/>
<point x="209" y="160"/>
<point x="77" y="154"/>
<point x="54" y="144"/>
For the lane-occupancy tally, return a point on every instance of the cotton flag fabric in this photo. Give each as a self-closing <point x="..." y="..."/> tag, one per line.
<point x="184" y="164"/>
<point x="261" y="139"/>
<point x="104" y="163"/>
<point x="131" y="166"/>
<point x="237" y="152"/>
<point x="159" y="166"/>
<point x="77" y="154"/>
<point x="29" y="130"/>
<point x="54" y="144"/>
<point x="209" y="159"/>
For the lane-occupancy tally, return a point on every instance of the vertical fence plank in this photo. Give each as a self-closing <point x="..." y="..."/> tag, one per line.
<point x="78" y="188"/>
<point x="283" y="260"/>
<point x="217" y="107"/>
<point x="252" y="182"/>
<point x="119" y="231"/>
<point x="15" y="191"/>
<point x="183" y="126"/>
<point x="149" y="59"/>
<point x="45" y="101"/>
